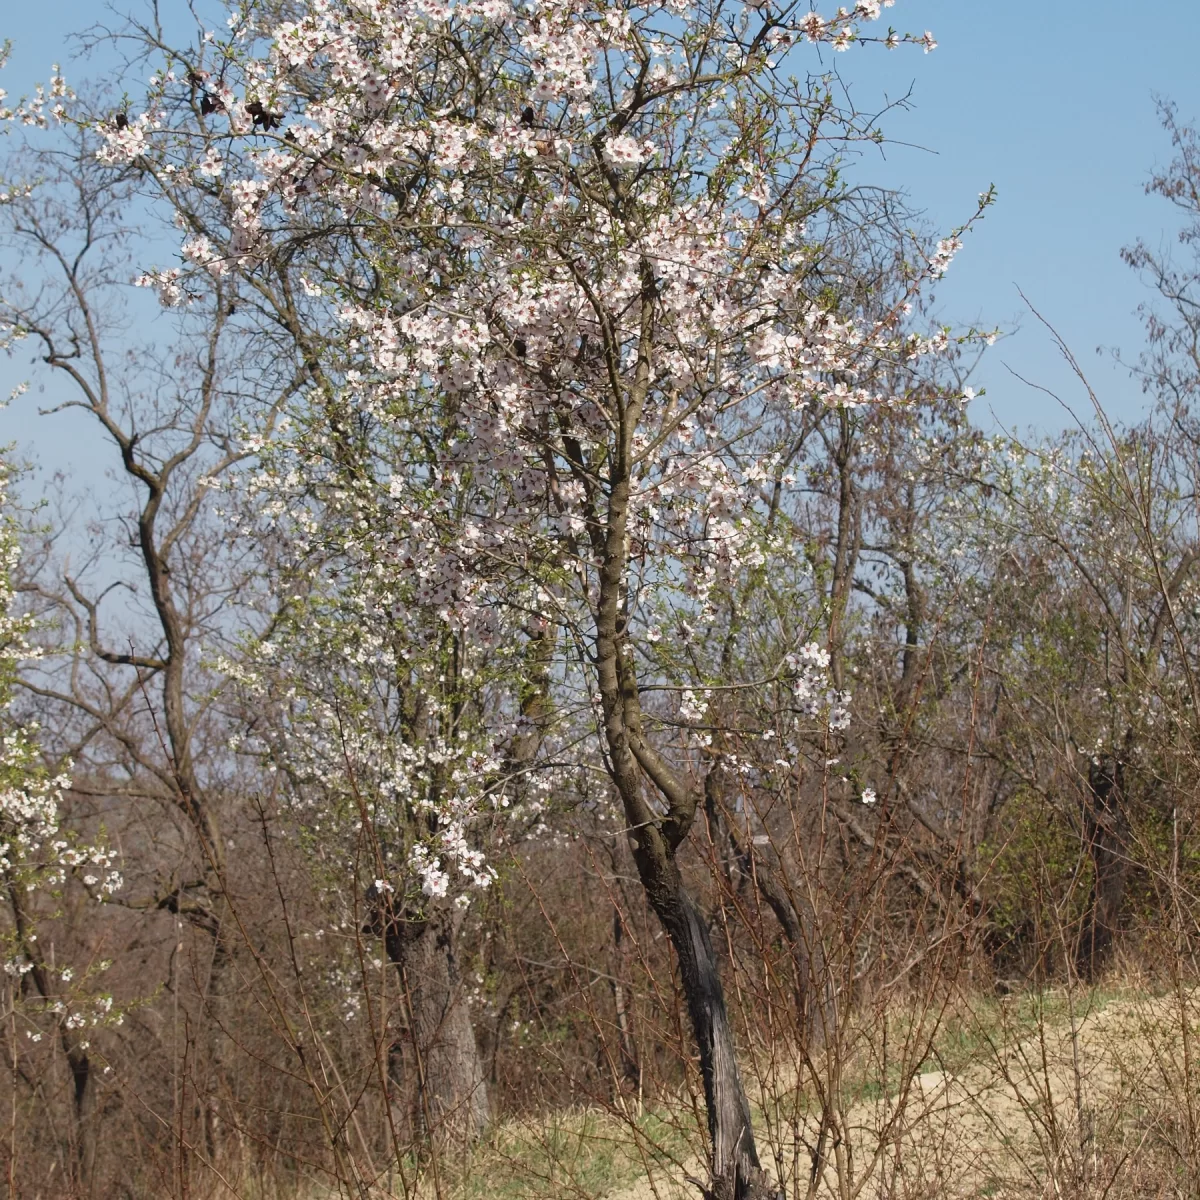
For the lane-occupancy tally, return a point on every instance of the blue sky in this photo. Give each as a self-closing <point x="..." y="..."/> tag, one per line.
<point x="1051" y="102"/>
<point x="1054" y="104"/>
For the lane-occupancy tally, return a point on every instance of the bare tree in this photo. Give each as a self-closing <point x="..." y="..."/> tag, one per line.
<point x="154" y="582"/>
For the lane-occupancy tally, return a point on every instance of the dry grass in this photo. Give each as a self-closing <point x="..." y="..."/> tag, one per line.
<point x="1056" y="1095"/>
<point x="1085" y="1096"/>
<point x="1086" y="1101"/>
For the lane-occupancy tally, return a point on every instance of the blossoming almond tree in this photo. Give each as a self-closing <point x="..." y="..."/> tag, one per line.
<point x="576" y="254"/>
<point x="389" y="733"/>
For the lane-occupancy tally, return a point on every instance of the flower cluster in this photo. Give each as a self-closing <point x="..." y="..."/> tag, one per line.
<point x="35" y="853"/>
<point x="47" y="102"/>
<point x="814" y="694"/>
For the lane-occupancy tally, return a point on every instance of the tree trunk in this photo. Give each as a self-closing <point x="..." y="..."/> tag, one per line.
<point x="657" y="836"/>
<point x="816" y="1007"/>
<point x="219" y="1008"/>
<point x="631" y="1069"/>
<point x="736" y="1174"/>
<point x="1106" y="829"/>
<point x="815" y="1002"/>
<point x="846" y="547"/>
<point x="84" y="1113"/>
<point x="452" y="1097"/>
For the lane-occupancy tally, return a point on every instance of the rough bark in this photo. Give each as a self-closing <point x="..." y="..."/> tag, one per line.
<point x="452" y="1105"/>
<point x="1106" y="830"/>
<point x="735" y="1169"/>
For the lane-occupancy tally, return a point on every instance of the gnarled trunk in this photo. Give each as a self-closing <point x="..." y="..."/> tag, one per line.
<point x="735" y="1170"/>
<point x="452" y="1096"/>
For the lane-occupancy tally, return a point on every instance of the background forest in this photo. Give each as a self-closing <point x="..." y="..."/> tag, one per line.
<point x="556" y="696"/>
